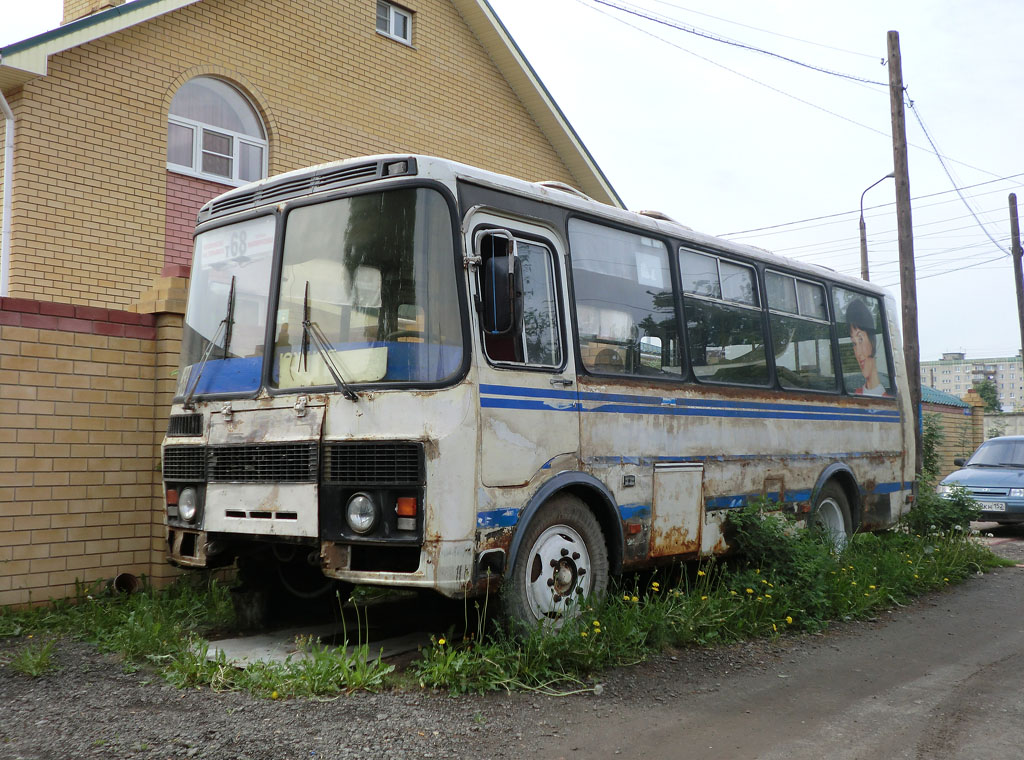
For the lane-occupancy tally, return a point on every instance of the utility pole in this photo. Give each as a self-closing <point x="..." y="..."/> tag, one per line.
<point x="905" y="233"/>
<point x="1017" y="277"/>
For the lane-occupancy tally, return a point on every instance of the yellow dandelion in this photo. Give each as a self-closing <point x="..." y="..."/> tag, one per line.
<point x="441" y="641"/>
<point x="946" y="580"/>
<point x="583" y="634"/>
<point x="758" y="571"/>
<point x="872" y="587"/>
<point x="915" y="575"/>
<point x="733" y="593"/>
<point x="634" y="599"/>
<point x="767" y="596"/>
<point x="703" y="598"/>
<point x="273" y="695"/>
<point x="789" y="620"/>
<point x="750" y="591"/>
<point x="774" y="627"/>
<point x="763" y="581"/>
<point x="597" y="623"/>
<point x="853" y="583"/>
<point x="701" y="573"/>
<point x="597" y="630"/>
<point x="866" y="594"/>
<point x="625" y="597"/>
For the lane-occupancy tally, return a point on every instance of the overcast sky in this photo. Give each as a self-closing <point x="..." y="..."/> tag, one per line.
<point x="726" y="139"/>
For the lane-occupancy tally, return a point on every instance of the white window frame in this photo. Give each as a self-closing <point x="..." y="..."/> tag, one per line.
<point x="394" y="12"/>
<point x="237" y="139"/>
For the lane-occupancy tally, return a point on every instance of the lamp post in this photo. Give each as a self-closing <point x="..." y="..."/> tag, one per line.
<point x="864" y="230"/>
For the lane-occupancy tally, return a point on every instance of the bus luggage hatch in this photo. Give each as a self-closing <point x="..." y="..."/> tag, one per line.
<point x="676" y="514"/>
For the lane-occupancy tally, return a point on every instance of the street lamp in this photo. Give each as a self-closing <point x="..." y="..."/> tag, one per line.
<point x="864" y="231"/>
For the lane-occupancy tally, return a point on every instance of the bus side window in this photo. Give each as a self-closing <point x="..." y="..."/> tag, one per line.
<point x="537" y="339"/>
<point x="625" y="310"/>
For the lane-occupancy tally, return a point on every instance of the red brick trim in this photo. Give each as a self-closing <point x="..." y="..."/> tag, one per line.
<point x="65" y="317"/>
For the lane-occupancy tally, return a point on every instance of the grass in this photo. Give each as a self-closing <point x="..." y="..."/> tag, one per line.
<point x="784" y="579"/>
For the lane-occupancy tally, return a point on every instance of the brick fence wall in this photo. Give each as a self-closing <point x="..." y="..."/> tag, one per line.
<point x="962" y="430"/>
<point x="83" y="399"/>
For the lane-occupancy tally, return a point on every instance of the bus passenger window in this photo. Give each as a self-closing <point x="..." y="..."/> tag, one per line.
<point x="624" y="305"/>
<point x="801" y="333"/>
<point x="723" y="320"/>
<point x="862" y="344"/>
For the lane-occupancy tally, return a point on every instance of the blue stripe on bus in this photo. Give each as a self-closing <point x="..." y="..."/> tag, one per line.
<point x="650" y="460"/>
<point x="508" y="397"/>
<point x="507" y="518"/>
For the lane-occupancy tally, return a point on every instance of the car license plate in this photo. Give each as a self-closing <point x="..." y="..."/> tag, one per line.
<point x="992" y="506"/>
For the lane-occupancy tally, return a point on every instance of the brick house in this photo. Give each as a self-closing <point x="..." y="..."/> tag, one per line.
<point x="117" y="126"/>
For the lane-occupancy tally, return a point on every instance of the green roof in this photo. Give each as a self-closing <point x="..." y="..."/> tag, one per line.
<point x="932" y="396"/>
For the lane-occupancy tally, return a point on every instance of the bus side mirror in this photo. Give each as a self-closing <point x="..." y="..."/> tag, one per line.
<point x="501" y="284"/>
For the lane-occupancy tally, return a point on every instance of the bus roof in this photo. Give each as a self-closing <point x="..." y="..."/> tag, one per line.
<point x="354" y="171"/>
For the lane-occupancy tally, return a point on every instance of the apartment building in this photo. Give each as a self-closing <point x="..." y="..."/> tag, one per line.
<point x="956" y="374"/>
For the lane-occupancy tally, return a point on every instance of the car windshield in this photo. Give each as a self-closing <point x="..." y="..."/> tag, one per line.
<point x="999" y="453"/>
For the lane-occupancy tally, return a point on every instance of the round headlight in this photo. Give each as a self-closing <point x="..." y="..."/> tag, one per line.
<point x="188" y="504"/>
<point x="361" y="513"/>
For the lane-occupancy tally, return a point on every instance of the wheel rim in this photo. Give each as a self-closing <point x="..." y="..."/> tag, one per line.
<point x="829" y="518"/>
<point x="558" y="573"/>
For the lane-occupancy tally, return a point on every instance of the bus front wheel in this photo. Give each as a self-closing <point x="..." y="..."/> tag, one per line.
<point x="831" y="515"/>
<point x="562" y="560"/>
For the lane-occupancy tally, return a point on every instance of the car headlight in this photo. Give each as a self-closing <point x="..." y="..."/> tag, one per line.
<point x="362" y="513"/>
<point x="943" y="490"/>
<point x="1017" y="493"/>
<point x="188" y="504"/>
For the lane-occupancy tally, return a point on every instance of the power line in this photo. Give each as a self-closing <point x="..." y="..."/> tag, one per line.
<point x="768" y="31"/>
<point x="869" y="208"/>
<point x="920" y="121"/>
<point x="658" y="19"/>
<point x="691" y="30"/>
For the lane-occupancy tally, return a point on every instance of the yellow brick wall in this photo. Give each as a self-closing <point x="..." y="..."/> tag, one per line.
<point x="79" y="447"/>
<point x="90" y="172"/>
<point x="961" y="433"/>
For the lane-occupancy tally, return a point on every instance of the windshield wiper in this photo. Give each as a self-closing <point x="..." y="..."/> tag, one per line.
<point x="310" y="330"/>
<point x="225" y="328"/>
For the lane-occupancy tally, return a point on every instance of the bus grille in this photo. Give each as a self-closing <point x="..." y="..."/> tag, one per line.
<point x="184" y="463"/>
<point x="263" y="463"/>
<point x="382" y="463"/>
<point x="185" y="425"/>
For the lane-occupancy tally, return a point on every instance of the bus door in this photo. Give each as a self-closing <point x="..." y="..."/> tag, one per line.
<point x="529" y="411"/>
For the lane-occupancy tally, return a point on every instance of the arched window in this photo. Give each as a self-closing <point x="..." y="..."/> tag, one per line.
<point x="213" y="132"/>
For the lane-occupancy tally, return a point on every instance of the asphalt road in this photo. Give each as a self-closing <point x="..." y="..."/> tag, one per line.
<point x="941" y="679"/>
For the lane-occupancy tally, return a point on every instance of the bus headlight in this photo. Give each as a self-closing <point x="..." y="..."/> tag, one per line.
<point x="362" y="513"/>
<point x="188" y="503"/>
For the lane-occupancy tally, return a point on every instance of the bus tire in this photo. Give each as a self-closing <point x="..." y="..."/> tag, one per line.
<point x="831" y="515"/>
<point x="562" y="560"/>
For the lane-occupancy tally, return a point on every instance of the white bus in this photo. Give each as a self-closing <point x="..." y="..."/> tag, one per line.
<point x="403" y="371"/>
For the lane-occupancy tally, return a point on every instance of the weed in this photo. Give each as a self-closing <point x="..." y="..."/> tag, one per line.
<point x="35" y="658"/>
<point x="784" y="578"/>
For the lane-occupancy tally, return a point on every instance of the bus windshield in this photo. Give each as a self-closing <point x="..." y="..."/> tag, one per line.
<point x="374" y="275"/>
<point x="226" y="318"/>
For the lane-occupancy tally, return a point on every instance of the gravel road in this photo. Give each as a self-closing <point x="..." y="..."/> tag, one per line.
<point x="89" y="708"/>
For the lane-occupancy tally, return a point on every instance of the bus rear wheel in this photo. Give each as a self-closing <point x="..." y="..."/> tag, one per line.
<point x="831" y="515"/>
<point x="562" y="561"/>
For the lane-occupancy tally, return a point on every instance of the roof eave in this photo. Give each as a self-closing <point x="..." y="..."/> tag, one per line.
<point x="513" y="65"/>
<point x="26" y="60"/>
